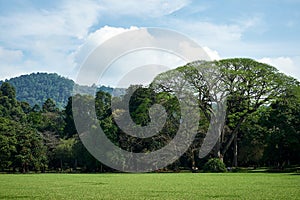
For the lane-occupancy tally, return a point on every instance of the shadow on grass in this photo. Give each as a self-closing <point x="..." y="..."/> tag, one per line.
<point x="14" y="197"/>
<point x="297" y="174"/>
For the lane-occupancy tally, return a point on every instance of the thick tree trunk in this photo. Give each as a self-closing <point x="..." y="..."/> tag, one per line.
<point x="23" y="169"/>
<point x="233" y="136"/>
<point x="193" y="160"/>
<point x="235" y="151"/>
<point x="216" y="150"/>
<point x="61" y="165"/>
<point x="75" y="165"/>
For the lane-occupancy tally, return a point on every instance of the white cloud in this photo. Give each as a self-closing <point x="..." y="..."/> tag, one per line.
<point x="142" y="66"/>
<point x="227" y="38"/>
<point x="10" y="56"/>
<point x="79" y="16"/>
<point x="171" y="50"/>
<point x="128" y="63"/>
<point x="211" y="33"/>
<point x="9" y="60"/>
<point x="287" y="65"/>
<point x="56" y="39"/>
<point x="47" y="36"/>
<point x="148" y="8"/>
<point x="213" y="54"/>
<point x="71" y="19"/>
<point x="253" y="23"/>
<point x="94" y="39"/>
<point x="13" y="63"/>
<point x="139" y="67"/>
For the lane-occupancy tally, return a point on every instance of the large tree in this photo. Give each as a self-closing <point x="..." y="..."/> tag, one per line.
<point x="21" y="145"/>
<point x="8" y="142"/>
<point x="283" y="124"/>
<point x="244" y="83"/>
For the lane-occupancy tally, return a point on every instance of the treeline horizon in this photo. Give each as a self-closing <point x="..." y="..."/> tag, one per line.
<point x="36" y="88"/>
<point x="262" y="123"/>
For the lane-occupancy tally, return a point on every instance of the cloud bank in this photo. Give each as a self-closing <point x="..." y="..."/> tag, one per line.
<point x="57" y="36"/>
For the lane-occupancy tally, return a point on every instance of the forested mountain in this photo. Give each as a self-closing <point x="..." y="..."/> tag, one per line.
<point x="36" y="88"/>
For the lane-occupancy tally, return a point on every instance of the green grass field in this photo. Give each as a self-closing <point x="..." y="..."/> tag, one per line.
<point x="150" y="186"/>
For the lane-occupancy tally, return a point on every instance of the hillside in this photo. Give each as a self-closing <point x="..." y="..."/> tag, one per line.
<point x="36" y="88"/>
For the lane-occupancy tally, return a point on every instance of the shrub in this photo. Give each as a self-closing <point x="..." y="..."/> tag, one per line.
<point x="214" y="165"/>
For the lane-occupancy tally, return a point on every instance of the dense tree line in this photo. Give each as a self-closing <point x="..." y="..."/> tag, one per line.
<point x="262" y="126"/>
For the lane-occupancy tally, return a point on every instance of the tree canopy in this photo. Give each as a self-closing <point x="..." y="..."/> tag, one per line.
<point x="36" y="88"/>
<point x="261" y="123"/>
<point x="244" y="84"/>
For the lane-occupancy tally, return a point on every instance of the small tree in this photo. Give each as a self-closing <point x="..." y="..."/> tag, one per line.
<point x="214" y="165"/>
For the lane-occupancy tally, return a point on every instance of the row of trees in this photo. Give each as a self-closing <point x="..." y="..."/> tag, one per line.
<point x="261" y="122"/>
<point x="35" y="138"/>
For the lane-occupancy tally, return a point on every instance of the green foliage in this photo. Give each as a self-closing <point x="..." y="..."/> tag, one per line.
<point x="49" y="106"/>
<point x="262" y="111"/>
<point x="21" y="145"/>
<point x="36" y="88"/>
<point x="8" y="142"/>
<point x="8" y="90"/>
<point x="271" y="135"/>
<point x="64" y="152"/>
<point x="283" y="135"/>
<point x="214" y="165"/>
<point x="248" y="84"/>
<point x="69" y="128"/>
<point x="31" y="152"/>
<point x="252" y="140"/>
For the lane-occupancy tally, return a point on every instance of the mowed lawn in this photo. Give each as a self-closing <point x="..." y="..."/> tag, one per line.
<point x="150" y="186"/>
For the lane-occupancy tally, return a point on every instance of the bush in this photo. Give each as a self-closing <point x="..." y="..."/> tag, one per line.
<point x="214" y="165"/>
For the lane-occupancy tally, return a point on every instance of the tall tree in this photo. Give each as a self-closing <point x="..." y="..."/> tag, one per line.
<point x="8" y="142"/>
<point x="49" y="106"/>
<point x="69" y="129"/>
<point x="8" y="90"/>
<point x="283" y="124"/>
<point x="248" y="85"/>
<point x="31" y="152"/>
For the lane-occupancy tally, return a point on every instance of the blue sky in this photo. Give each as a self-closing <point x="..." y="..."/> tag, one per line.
<point x="56" y="36"/>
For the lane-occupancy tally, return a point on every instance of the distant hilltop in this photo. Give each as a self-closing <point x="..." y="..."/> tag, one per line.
<point x="36" y="88"/>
